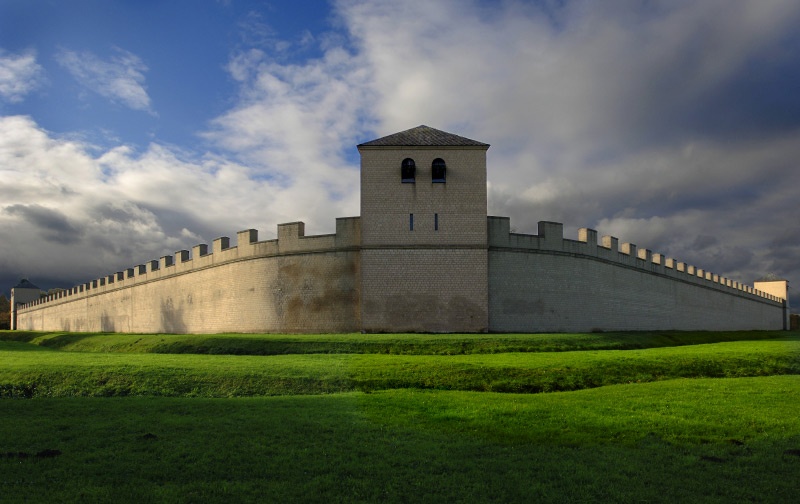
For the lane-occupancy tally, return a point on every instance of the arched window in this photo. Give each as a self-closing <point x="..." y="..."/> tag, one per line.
<point x="438" y="171"/>
<point x="408" y="171"/>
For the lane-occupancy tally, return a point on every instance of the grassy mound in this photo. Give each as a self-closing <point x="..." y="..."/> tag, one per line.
<point x="394" y="344"/>
<point x="56" y="373"/>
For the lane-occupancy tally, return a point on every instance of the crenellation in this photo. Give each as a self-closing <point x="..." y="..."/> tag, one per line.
<point x="181" y="256"/>
<point x="166" y="262"/>
<point x="551" y="235"/>
<point x="152" y="266"/>
<point x="348" y="231"/>
<point x="587" y="235"/>
<point x="199" y="251"/>
<point x="246" y="237"/>
<point x="589" y="238"/>
<point x="290" y="233"/>
<point x="611" y="243"/>
<point x="220" y="244"/>
<point x="498" y="230"/>
<point x="627" y="254"/>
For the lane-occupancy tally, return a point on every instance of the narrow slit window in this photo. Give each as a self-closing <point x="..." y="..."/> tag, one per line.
<point x="411" y="222"/>
<point x="438" y="171"/>
<point x="436" y="222"/>
<point x="408" y="171"/>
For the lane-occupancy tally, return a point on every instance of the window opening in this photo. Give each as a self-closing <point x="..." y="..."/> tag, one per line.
<point x="411" y="222"/>
<point x="438" y="171"/>
<point x="408" y="171"/>
<point x="436" y="222"/>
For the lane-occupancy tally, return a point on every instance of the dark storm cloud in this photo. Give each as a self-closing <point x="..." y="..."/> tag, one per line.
<point x="53" y="225"/>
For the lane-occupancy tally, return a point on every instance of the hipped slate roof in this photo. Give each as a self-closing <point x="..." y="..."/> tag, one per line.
<point x="25" y="284"/>
<point x="423" y="136"/>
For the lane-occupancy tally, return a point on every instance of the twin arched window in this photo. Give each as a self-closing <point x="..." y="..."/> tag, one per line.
<point x="408" y="171"/>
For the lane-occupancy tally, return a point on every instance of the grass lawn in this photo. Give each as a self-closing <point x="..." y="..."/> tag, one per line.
<point x="714" y="419"/>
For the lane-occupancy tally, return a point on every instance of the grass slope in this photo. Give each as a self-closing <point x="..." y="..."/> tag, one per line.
<point x="29" y="370"/>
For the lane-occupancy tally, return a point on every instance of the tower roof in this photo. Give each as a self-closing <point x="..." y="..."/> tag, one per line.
<point x="25" y="284"/>
<point x="423" y="136"/>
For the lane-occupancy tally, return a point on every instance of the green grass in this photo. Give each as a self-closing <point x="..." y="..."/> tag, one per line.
<point x="57" y="373"/>
<point x="410" y="344"/>
<point x="705" y="440"/>
<point x="682" y="417"/>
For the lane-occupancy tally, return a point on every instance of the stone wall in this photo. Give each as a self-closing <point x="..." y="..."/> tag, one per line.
<point x="545" y="283"/>
<point x="292" y="284"/>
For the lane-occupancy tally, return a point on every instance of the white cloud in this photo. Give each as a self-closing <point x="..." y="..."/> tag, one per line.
<point x="100" y="212"/>
<point x="297" y="126"/>
<point x="121" y="79"/>
<point x="19" y="75"/>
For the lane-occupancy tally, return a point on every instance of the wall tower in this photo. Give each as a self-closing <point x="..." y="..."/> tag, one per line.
<point x="23" y="292"/>
<point x="424" y="261"/>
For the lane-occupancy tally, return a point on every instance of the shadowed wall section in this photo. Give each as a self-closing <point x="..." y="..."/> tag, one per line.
<point x="545" y="283"/>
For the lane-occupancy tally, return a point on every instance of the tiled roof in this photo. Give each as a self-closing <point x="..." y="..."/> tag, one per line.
<point x="423" y="136"/>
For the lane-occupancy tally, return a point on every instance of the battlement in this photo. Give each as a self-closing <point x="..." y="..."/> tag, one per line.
<point x="291" y="240"/>
<point x="550" y="239"/>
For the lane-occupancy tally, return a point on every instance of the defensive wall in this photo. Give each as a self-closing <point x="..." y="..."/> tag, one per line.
<point x="546" y="283"/>
<point x="294" y="283"/>
<point x="298" y="283"/>
<point x="422" y="257"/>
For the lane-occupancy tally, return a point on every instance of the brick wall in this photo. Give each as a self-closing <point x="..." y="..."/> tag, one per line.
<point x="544" y="283"/>
<point x="432" y="277"/>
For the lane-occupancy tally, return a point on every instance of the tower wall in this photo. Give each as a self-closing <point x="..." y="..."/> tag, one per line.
<point x="430" y="275"/>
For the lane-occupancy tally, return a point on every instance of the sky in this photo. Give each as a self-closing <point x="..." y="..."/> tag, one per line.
<point x="130" y="129"/>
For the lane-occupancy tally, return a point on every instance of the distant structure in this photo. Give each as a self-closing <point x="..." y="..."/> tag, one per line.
<point x="22" y="293"/>
<point x="422" y="257"/>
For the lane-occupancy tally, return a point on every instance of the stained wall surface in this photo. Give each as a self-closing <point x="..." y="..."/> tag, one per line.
<point x="293" y="284"/>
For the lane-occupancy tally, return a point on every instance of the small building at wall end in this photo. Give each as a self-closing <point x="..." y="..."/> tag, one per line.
<point x="23" y="292"/>
<point x="777" y="287"/>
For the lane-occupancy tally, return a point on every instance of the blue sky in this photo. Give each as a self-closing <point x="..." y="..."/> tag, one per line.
<point x="132" y="129"/>
<point x="177" y="50"/>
